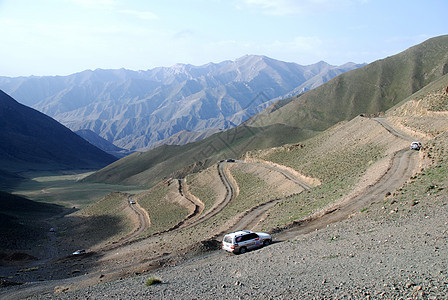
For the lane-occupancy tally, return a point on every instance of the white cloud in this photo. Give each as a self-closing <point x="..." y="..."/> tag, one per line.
<point x="95" y="3"/>
<point x="295" y="7"/>
<point x="144" y="15"/>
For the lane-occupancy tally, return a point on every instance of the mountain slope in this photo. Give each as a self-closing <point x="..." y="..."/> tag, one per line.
<point x="101" y="143"/>
<point x="371" y="89"/>
<point x="176" y="161"/>
<point x="22" y="220"/>
<point x="34" y="141"/>
<point x="402" y="220"/>
<point x="136" y="109"/>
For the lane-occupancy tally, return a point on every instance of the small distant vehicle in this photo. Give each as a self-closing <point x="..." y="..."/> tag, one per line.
<point x="132" y="202"/>
<point x="230" y="160"/>
<point x="416" y="146"/>
<point x="79" y="252"/>
<point x="51" y="229"/>
<point x="243" y="240"/>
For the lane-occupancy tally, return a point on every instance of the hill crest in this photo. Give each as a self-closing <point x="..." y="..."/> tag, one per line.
<point x="34" y="141"/>
<point x="137" y="109"/>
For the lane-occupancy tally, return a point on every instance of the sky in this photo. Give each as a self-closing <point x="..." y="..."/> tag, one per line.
<point x="61" y="37"/>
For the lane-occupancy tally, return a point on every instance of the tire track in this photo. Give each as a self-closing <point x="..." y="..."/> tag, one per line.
<point x="403" y="165"/>
<point x="144" y="222"/>
<point x="251" y="218"/>
<point x="229" y="197"/>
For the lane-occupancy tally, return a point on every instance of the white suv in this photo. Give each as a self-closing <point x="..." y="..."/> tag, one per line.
<point x="241" y="241"/>
<point x="416" y="146"/>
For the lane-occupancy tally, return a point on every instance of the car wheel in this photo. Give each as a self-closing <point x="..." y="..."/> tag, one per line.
<point x="243" y="250"/>
<point x="266" y="242"/>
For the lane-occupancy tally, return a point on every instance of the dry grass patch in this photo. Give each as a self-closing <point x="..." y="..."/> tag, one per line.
<point x="207" y="186"/>
<point x="160" y="204"/>
<point x="339" y="158"/>
<point x="105" y="220"/>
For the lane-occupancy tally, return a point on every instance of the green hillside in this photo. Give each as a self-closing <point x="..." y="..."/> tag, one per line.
<point x="372" y="89"/>
<point x="177" y="161"/>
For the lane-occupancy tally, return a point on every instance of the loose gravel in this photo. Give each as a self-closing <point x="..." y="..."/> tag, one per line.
<point x="380" y="253"/>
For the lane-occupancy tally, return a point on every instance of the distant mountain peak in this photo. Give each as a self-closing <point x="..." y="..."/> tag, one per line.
<point x="137" y="109"/>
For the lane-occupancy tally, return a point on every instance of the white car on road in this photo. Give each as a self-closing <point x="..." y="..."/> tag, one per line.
<point x="416" y="146"/>
<point x="243" y="240"/>
<point x="79" y="252"/>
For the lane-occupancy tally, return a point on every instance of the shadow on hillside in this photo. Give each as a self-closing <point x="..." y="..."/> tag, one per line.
<point x="85" y="232"/>
<point x="55" y="259"/>
<point x="9" y="181"/>
<point x="23" y="222"/>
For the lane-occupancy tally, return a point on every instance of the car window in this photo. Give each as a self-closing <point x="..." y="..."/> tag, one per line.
<point x="249" y="236"/>
<point x="253" y="236"/>
<point x="228" y="239"/>
<point x="244" y="238"/>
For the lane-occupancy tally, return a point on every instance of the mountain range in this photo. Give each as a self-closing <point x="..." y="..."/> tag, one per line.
<point x="369" y="90"/>
<point x="139" y="110"/>
<point x="33" y="141"/>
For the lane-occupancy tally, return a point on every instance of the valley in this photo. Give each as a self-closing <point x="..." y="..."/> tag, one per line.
<point x="387" y="174"/>
<point x="353" y="210"/>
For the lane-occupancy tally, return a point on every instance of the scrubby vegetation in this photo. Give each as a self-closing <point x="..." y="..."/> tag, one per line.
<point x="338" y="157"/>
<point x="153" y="280"/>
<point x="339" y="171"/>
<point x="202" y="185"/>
<point x="163" y="212"/>
<point x="99" y="222"/>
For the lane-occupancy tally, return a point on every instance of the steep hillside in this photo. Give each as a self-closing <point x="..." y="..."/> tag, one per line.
<point x="136" y="109"/>
<point x="34" y="141"/>
<point x="370" y="203"/>
<point x="150" y="167"/>
<point x="371" y="89"/>
<point x="101" y="143"/>
<point x="22" y="220"/>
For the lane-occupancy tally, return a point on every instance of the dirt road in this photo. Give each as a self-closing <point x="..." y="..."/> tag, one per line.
<point x="403" y="165"/>
<point x="222" y="203"/>
<point x="251" y="218"/>
<point x="144" y="223"/>
<point x="392" y="130"/>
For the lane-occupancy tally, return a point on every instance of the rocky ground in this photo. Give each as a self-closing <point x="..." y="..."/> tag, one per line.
<point x="393" y="250"/>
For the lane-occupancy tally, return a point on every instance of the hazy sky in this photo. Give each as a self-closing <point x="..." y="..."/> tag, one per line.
<point x="59" y="37"/>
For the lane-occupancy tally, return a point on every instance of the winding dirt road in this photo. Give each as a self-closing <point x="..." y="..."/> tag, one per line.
<point x="231" y="193"/>
<point x="392" y="130"/>
<point x="403" y="165"/>
<point x="144" y="223"/>
<point x="251" y="218"/>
